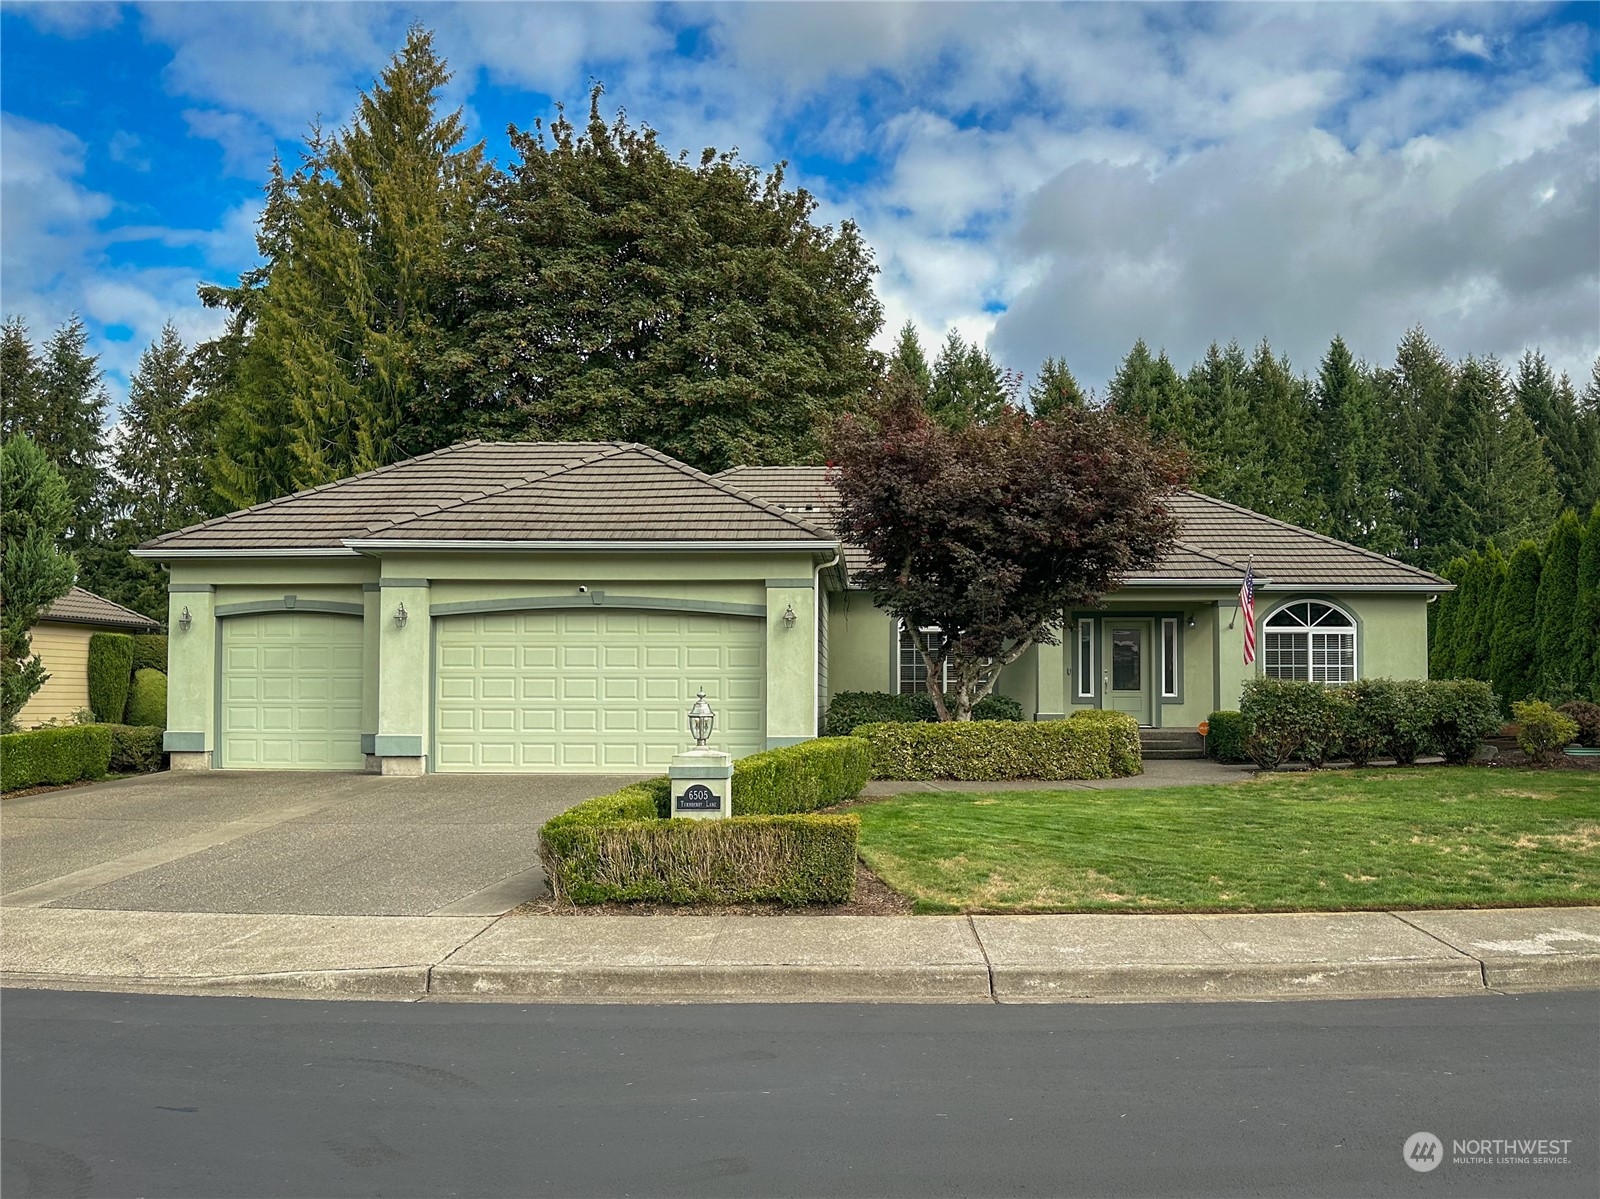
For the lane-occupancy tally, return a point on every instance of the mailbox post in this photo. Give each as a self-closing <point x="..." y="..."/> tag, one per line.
<point x="702" y="777"/>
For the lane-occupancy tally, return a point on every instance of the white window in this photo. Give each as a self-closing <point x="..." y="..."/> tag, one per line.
<point x="1084" y="665"/>
<point x="912" y="668"/>
<point x="1169" y="658"/>
<point x="1310" y="640"/>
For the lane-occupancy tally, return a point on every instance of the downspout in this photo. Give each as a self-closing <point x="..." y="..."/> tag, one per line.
<point x="818" y="598"/>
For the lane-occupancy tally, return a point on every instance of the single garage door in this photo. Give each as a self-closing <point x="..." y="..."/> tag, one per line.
<point x="591" y="689"/>
<point x="291" y="692"/>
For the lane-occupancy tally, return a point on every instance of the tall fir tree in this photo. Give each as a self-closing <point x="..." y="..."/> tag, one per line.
<point x="1523" y="497"/>
<point x="19" y="378"/>
<point x="1130" y="392"/>
<point x="345" y="325"/>
<point x="1559" y="680"/>
<point x="1354" y="470"/>
<point x="1228" y="437"/>
<point x="1414" y="395"/>
<point x="1584" y="645"/>
<point x="968" y="386"/>
<point x="1461" y="502"/>
<point x="1285" y="417"/>
<point x="1475" y="643"/>
<point x="908" y="359"/>
<point x="1553" y="409"/>
<point x="1054" y="389"/>
<point x="1514" y="665"/>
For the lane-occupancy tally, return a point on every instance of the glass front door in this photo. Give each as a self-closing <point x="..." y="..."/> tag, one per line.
<point x="1128" y="670"/>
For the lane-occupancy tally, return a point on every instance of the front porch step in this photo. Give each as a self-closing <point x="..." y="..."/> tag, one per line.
<point x="1170" y="744"/>
<point x="1170" y="755"/>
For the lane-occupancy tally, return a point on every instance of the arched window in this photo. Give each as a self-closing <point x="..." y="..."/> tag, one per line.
<point x="1310" y="640"/>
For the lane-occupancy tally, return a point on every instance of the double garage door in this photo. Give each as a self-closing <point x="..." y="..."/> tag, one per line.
<point x="591" y="689"/>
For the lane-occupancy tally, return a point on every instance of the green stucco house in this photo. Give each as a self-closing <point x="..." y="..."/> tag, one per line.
<point x="526" y="606"/>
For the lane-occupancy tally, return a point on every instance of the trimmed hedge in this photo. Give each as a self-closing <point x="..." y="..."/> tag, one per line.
<point x="150" y="652"/>
<point x="849" y="710"/>
<point x="147" y="699"/>
<point x="990" y="750"/>
<point x="110" y="670"/>
<point x="1286" y="719"/>
<point x="801" y="778"/>
<point x="135" y="749"/>
<point x="617" y="848"/>
<point x="1127" y="753"/>
<point x="1225" y="740"/>
<point x="54" y="756"/>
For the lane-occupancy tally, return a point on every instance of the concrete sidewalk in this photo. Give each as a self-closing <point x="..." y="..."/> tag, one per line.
<point x="982" y="959"/>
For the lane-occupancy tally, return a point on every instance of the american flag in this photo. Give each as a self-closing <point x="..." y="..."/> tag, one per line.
<point x="1247" y="605"/>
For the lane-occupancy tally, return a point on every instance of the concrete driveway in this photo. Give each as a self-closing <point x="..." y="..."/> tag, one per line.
<point x="302" y="844"/>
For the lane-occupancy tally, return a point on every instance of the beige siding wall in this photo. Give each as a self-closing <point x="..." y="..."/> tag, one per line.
<point x="64" y="649"/>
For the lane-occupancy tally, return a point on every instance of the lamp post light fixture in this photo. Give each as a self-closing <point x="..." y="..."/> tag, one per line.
<point x="789" y="617"/>
<point x="701" y="720"/>
<point x="185" y="619"/>
<point x="400" y="617"/>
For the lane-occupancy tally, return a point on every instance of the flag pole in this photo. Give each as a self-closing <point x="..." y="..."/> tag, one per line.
<point x="1248" y="562"/>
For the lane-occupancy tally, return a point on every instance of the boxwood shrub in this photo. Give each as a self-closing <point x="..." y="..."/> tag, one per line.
<point x="135" y="749"/>
<point x="54" y="756"/>
<point x="110" y="671"/>
<point x="619" y="848"/>
<point x="147" y="699"/>
<point x="1225" y="737"/>
<point x="150" y="652"/>
<point x="801" y="778"/>
<point x="990" y="750"/>
<point x="849" y="710"/>
<point x="1127" y="754"/>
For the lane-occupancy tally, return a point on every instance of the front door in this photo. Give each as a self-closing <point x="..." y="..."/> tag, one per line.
<point x="1129" y="662"/>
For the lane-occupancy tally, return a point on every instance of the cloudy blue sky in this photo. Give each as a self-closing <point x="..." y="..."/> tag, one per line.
<point x="1050" y="179"/>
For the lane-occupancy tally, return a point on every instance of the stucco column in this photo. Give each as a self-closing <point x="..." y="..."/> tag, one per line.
<point x="191" y="734"/>
<point x="371" y="620"/>
<point x="791" y="662"/>
<point x="403" y="673"/>
<point x="1052" y="672"/>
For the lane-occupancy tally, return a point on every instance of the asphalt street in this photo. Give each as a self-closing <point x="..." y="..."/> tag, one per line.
<point x="169" y="1096"/>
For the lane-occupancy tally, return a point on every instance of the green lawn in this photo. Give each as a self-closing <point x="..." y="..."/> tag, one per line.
<point x="1432" y="837"/>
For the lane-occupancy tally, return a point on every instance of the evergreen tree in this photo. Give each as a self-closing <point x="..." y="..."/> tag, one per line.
<point x="1514" y="666"/>
<point x="1475" y="642"/>
<point x="1553" y="410"/>
<point x="1229" y="439"/>
<point x="343" y="319"/>
<point x="1054" y="389"/>
<point x="908" y="359"/>
<point x="1442" y="620"/>
<point x="968" y="388"/>
<point x="1558" y="602"/>
<point x="1461" y="503"/>
<point x="19" y="379"/>
<point x="1285" y="418"/>
<point x="612" y="290"/>
<point x="1354" y="473"/>
<point x="1523" y="498"/>
<point x="1584" y="645"/>
<point x="1131" y="391"/>
<point x="1414" y="395"/>
<point x="1171" y="407"/>
<point x="35" y="571"/>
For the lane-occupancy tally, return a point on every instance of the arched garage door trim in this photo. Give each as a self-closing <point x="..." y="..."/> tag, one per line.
<point x="598" y="599"/>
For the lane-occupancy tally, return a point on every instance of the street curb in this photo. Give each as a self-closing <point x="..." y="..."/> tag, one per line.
<point x="387" y="982"/>
<point x="1559" y="972"/>
<point x="752" y="983"/>
<point x="1267" y="980"/>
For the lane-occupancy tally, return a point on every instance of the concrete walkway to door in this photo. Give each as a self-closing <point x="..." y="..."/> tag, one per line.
<point x="295" y="844"/>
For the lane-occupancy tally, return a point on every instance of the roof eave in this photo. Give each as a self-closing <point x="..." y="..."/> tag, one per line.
<point x="378" y="545"/>
<point x="159" y="554"/>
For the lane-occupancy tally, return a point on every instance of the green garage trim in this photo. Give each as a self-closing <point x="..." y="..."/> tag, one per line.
<point x="595" y="599"/>
<point x="173" y="741"/>
<point x="397" y="745"/>
<point x="290" y="603"/>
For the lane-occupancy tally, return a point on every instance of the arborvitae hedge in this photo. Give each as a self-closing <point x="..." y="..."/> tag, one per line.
<point x="110" y="670"/>
<point x="1584" y="646"/>
<point x="1514" y="666"/>
<point x="1558" y="601"/>
<point x="150" y="651"/>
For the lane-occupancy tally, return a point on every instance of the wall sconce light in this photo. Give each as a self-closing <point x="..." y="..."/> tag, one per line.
<point x="400" y="617"/>
<point x="185" y="619"/>
<point x="1191" y="620"/>
<point x="789" y="617"/>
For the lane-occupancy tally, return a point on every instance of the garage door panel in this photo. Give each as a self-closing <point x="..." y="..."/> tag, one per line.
<point x="606" y="690"/>
<point x="292" y="688"/>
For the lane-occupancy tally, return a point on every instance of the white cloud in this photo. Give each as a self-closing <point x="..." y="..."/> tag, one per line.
<point x="1468" y="43"/>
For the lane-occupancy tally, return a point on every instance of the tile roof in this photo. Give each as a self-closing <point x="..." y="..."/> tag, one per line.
<point x="484" y="491"/>
<point x="1215" y="539"/>
<point x="80" y="606"/>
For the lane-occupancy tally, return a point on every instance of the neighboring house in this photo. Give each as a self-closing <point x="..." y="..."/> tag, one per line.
<point x="61" y="639"/>
<point x="525" y="606"/>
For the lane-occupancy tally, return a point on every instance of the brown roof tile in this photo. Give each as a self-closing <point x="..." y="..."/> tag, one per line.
<point x="80" y="606"/>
